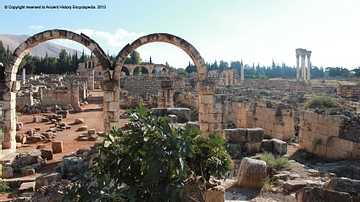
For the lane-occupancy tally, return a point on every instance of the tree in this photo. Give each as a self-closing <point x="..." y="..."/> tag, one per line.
<point x="191" y="68"/>
<point x="152" y="161"/>
<point x="135" y="58"/>
<point x="357" y="72"/>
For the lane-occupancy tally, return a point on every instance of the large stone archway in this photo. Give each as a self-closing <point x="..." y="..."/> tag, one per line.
<point x="11" y="86"/>
<point x="212" y="108"/>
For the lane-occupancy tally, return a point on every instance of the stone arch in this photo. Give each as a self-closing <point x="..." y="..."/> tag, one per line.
<point x="38" y="38"/>
<point x="12" y="86"/>
<point x="161" y="37"/>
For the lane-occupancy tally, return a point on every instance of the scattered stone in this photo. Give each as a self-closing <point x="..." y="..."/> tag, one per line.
<point x="308" y="194"/>
<point x="236" y="135"/>
<point x="47" y="179"/>
<point x="20" y="138"/>
<point x="252" y="173"/>
<point x="57" y="147"/>
<point x="7" y="172"/>
<point x="19" y="126"/>
<point x="82" y="128"/>
<point x="40" y="146"/>
<point x="27" y="186"/>
<point x="79" y="121"/>
<point x="344" y="184"/>
<point x="34" y="156"/>
<point x="93" y="137"/>
<point x="47" y="154"/>
<point x="28" y="170"/>
<point x="215" y="194"/>
<point x="293" y="185"/>
<point x="91" y="131"/>
<point x="44" y="119"/>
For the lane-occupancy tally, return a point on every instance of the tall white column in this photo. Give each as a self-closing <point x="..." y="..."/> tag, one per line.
<point x="303" y="67"/>
<point x="23" y="76"/>
<point x="297" y="67"/>
<point x="308" y="65"/>
<point x="242" y="73"/>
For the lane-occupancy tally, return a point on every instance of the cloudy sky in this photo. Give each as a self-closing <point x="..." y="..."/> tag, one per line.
<point x="255" y="31"/>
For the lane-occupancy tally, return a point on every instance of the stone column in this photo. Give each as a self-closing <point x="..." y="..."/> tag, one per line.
<point x="212" y="109"/>
<point x="23" y="76"/>
<point x="303" y="67"/>
<point x="226" y="78"/>
<point x="9" y="120"/>
<point x="297" y="67"/>
<point x="308" y="54"/>
<point x="90" y="79"/>
<point x="242" y="73"/>
<point x="74" y="97"/>
<point x="166" y="95"/>
<point x="111" y="106"/>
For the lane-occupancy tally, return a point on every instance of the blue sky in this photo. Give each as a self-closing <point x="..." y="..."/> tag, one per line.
<point x="251" y="30"/>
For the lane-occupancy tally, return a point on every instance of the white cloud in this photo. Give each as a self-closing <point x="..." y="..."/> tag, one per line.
<point x="36" y="27"/>
<point x="117" y="40"/>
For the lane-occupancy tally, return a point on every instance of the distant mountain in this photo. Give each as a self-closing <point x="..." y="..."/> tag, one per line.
<point x="52" y="49"/>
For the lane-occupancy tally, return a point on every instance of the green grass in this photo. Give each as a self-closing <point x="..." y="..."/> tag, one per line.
<point x="273" y="162"/>
<point x="321" y="102"/>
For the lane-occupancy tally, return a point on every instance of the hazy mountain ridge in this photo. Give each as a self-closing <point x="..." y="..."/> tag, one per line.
<point x="52" y="49"/>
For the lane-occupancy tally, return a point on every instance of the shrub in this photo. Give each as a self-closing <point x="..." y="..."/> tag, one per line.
<point x="151" y="161"/>
<point x="322" y="102"/>
<point x="272" y="162"/>
<point x="4" y="187"/>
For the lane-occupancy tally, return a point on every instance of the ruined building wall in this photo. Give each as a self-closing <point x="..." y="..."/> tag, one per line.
<point x="331" y="136"/>
<point x="348" y="91"/>
<point x="62" y="95"/>
<point x="26" y="99"/>
<point x="266" y="83"/>
<point x="188" y="99"/>
<point x="237" y="113"/>
<point x="140" y="85"/>
<point x="277" y="121"/>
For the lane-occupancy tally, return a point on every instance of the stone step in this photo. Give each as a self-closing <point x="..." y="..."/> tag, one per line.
<point x="18" y="181"/>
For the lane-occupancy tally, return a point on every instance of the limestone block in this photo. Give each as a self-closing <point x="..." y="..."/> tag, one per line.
<point x="335" y="153"/>
<point x="255" y="134"/>
<point x="306" y="194"/>
<point x="267" y="145"/>
<point x="319" y="149"/>
<point x="306" y="144"/>
<point x="341" y="144"/>
<point x="114" y="106"/>
<point x="57" y="147"/>
<point x="280" y="146"/>
<point x="206" y="99"/>
<point x="47" y="179"/>
<point x="252" y="173"/>
<point x="28" y="170"/>
<point x="236" y="135"/>
<point x="252" y="147"/>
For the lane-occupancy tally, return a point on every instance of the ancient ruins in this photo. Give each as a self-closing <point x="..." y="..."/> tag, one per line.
<point x="253" y="115"/>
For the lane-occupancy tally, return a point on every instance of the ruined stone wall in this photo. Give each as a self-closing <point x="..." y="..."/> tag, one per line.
<point x="62" y="95"/>
<point x="348" y="91"/>
<point x="140" y="85"/>
<point x="24" y="100"/>
<point x="188" y="99"/>
<point x="237" y="113"/>
<point x="331" y="136"/>
<point x="266" y="83"/>
<point x="276" y="120"/>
